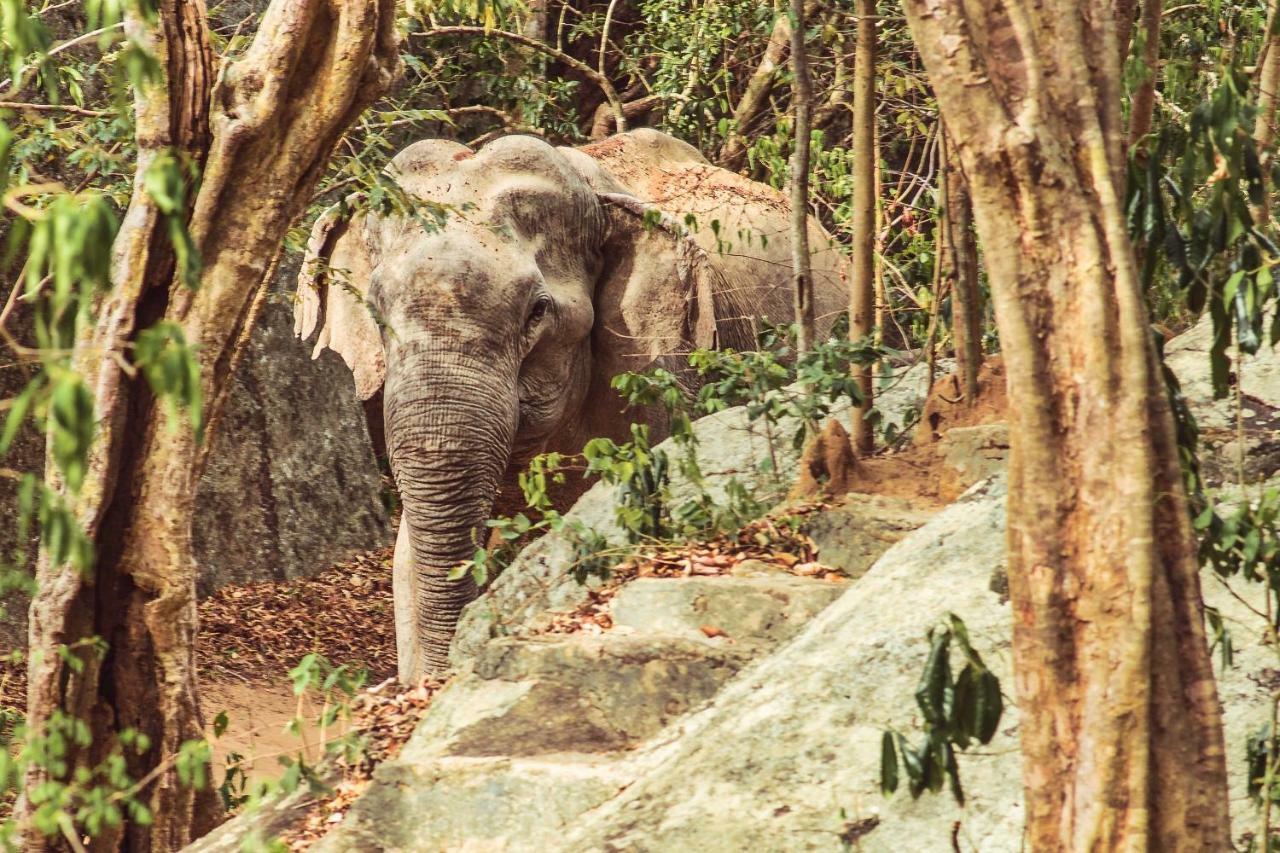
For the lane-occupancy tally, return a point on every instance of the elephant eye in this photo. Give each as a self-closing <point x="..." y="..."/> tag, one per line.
<point x="538" y="311"/>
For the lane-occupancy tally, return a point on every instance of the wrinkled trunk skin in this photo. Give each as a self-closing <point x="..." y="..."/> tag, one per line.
<point x="450" y="421"/>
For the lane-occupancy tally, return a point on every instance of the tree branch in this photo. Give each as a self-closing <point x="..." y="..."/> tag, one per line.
<point x="53" y="108"/>
<point x="610" y="93"/>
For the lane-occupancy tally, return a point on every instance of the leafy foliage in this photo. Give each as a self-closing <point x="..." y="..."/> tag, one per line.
<point x="958" y="711"/>
<point x="772" y="383"/>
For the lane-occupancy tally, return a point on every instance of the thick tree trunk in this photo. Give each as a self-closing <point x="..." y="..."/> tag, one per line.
<point x="862" y="278"/>
<point x="962" y="257"/>
<point x="1121" y="725"/>
<point x="263" y="135"/>
<point x="802" y="98"/>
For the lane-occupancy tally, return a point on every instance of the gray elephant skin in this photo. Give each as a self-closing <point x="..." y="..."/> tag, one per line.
<point x="492" y="320"/>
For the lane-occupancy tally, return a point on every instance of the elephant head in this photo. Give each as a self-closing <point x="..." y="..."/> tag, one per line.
<point x="488" y="318"/>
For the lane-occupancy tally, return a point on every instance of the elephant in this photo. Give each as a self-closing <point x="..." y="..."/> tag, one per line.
<point x="492" y="318"/>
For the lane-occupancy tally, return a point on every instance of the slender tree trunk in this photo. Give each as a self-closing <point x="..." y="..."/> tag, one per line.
<point x="263" y="135"/>
<point x="1125" y="12"/>
<point x="1142" y="107"/>
<point x="962" y="258"/>
<point x="862" y="278"/>
<point x="1264" y="131"/>
<point x="1120" y="721"/>
<point x="802" y="97"/>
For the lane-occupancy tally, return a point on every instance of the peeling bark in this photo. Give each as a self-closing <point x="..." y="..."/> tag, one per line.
<point x="262" y="135"/>
<point x="1142" y="107"/>
<point x="1121" y="725"/>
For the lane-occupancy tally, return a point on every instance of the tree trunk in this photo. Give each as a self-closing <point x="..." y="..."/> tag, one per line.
<point x="802" y="97"/>
<point x="1142" y="107"/>
<point x="1264" y="131"/>
<point x="263" y="135"/>
<point x="962" y="257"/>
<point x="862" y="278"/>
<point x="1120" y="721"/>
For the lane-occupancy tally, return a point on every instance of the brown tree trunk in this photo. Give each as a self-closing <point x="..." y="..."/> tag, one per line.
<point x="1264" y="131"/>
<point x="862" y="278"/>
<point x="1120" y="721"/>
<point x="1142" y="107"/>
<point x="263" y="135"/>
<point x="802" y="97"/>
<point x="962" y="257"/>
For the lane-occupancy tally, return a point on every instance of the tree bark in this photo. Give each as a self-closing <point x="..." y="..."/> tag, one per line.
<point x="1142" y="107"/>
<point x="862" y="278"/>
<point x="1120" y="721"/>
<point x="802" y="97"/>
<point x="1264" y="130"/>
<point x="962" y="257"/>
<point x="263" y="135"/>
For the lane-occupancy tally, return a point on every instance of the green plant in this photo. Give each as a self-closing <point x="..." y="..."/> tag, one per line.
<point x="773" y="385"/>
<point x="958" y="711"/>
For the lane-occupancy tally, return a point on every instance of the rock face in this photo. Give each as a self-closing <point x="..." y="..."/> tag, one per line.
<point x="743" y="711"/>
<point x="730" y="448"/>
<point x="292" y="485"/>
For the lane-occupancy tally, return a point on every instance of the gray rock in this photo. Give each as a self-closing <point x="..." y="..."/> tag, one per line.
<point x="730" y="448"/>
<point x="853" y="535"/>
<point x="973" y="454"/>
<point x="787" y="756"/>
<point x="475" y="804"/>
<point x="292" y="485"/>
<point x="764" y="610"/>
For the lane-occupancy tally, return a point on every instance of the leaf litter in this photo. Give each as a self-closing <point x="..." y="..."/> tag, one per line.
<point x="776" y="540"/>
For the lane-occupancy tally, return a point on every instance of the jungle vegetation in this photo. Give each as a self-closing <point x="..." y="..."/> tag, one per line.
<point x="1060" y="184"/>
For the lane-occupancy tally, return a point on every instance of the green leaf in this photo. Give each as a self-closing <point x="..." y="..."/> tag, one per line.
<point x="888" y="765"/>
<point x="931" y="693"/>
<point x="18" y="413"/>
<point x="990" y="706"/>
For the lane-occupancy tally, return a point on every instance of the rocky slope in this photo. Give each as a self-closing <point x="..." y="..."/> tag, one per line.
<point x="742" y="710"/>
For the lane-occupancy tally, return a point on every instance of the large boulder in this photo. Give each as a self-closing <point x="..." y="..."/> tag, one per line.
<point x="292" y="485"/>
<point x="730" y="448"/>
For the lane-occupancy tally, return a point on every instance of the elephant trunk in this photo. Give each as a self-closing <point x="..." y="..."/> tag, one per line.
<point x="450" y="420"/>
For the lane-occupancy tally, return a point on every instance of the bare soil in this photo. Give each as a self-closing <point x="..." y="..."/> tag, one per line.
<point x="915" y="471"/>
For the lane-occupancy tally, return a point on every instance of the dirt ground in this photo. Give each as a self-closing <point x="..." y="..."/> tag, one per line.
<point x="914" y="468"/>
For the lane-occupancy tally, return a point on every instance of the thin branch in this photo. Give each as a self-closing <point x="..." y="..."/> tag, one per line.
<point x="610" y="93"/>
<point x="604" y="35"/>
<point x="54" y="108"/>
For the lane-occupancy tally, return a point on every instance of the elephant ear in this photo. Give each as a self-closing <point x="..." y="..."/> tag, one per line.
<point x="332" y="296"/>
<point x="660" y="294"/>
